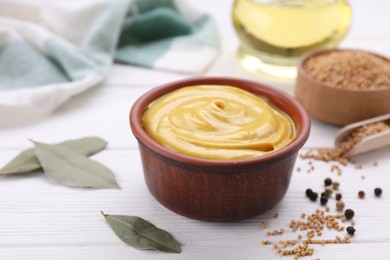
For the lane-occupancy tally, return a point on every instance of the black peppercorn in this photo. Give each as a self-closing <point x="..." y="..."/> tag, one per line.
<point x="328" y="181"/>
<point x="313" y="196"/>
<point x="351" y="230"/>
<point x="378" y="192"/>
<point x="323" y="195"/>
<point x="324" y="200"/>
<point x="338" y="196"/>
<point x="309" y="192"/>
<point x="361" y="194"/>
<point x="349" y="213"/>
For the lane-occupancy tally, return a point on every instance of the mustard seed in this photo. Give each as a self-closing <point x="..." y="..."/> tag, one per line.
<point x="314" y="196"/>
<point x="349" y="69"/>
<point x="340" y="205"/>
<point x="328" y="191"/>
<point x="263" y="225"/>
<point x="349" y="213"/>
<point x="361" y="194"/>
<point x="328" y="181"/>
<point x="351" y="230"/>
<point x="378" y="192"/>
<point x="340" y="154"/>
<point x="335" y="185"/>
<point x="338" y="196"/>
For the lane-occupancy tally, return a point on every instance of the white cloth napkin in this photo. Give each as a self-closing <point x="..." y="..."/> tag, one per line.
<point x="53" y="50"/>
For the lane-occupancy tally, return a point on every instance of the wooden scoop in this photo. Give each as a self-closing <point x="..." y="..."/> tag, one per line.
<point x="368" y="143"/>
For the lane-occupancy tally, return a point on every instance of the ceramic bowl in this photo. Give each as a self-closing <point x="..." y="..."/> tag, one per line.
<point x="215" y="190"/>
<point x="335" y="105"/>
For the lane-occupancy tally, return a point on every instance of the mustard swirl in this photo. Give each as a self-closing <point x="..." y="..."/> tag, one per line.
<point x="217" y="122"/>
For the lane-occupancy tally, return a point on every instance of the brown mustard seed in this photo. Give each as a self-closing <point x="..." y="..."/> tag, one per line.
<point x="328" y="191"/>
<point x="349" y="214"/>
<point x="314" y="225"/>
<point x="351" y="230"/>
<point x="339" y="154"/>
<point x="328" y="181"/>
<point x="378" y="192"/>
<point x="276" y="215"/>
<point x="340" y="205"/>
<point x="338" y="196"/>
<point x="308" y="192"/>
<point x="335" y="185"/>
<point x="263" y="225"/>
<point x="314" y="196"/>
<point x="361" y="194"/>
<point x="349" y="69"/>
<point x="335" y="167"/>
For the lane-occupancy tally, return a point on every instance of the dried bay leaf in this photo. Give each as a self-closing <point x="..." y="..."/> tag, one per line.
<point x="26" y="161"/>
<point x="142" y="234"/>
<point x="67" y="167"/>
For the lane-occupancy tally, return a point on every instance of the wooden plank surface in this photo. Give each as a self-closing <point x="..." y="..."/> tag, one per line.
<point x="42" y="220"/>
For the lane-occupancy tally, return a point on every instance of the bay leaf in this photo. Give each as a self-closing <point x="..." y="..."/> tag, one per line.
<point x="141" y="234"/>
<point x="26" y="161"/>
<point x="67" y="167"/>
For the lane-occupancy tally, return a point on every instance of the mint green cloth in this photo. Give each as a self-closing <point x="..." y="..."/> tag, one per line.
<point x="152" y="27"/>
<point x="73" y="46"/>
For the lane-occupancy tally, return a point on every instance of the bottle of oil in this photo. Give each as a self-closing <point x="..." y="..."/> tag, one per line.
<point x="275" y="33"/>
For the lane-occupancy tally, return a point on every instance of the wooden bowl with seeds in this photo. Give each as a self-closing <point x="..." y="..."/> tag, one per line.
<point x="343" y="86"/>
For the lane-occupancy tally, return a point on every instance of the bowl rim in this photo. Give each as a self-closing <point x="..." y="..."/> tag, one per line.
<point x="138" y="108"/>
<point x="308" y="55"/>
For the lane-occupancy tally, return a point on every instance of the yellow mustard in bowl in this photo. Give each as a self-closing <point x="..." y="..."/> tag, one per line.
<point x="217" y="122"/>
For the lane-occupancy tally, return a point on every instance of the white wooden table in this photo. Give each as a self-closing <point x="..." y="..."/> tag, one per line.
<point x="42" y="220"/>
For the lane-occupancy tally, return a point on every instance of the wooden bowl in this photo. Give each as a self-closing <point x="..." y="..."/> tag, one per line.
<point x="335" y="105"/>
<point x="215" y="190"/>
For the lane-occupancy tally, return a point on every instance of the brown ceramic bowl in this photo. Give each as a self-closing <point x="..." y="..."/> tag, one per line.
<point x="335" y="105"/>
<point x="215" y="190"/>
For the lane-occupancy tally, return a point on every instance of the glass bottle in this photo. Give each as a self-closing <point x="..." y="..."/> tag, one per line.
<point x="275" y="33"/>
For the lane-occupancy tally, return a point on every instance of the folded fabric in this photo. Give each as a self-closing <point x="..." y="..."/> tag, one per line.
<point x="52" y="51"/>
<point x="168" y="35"/>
